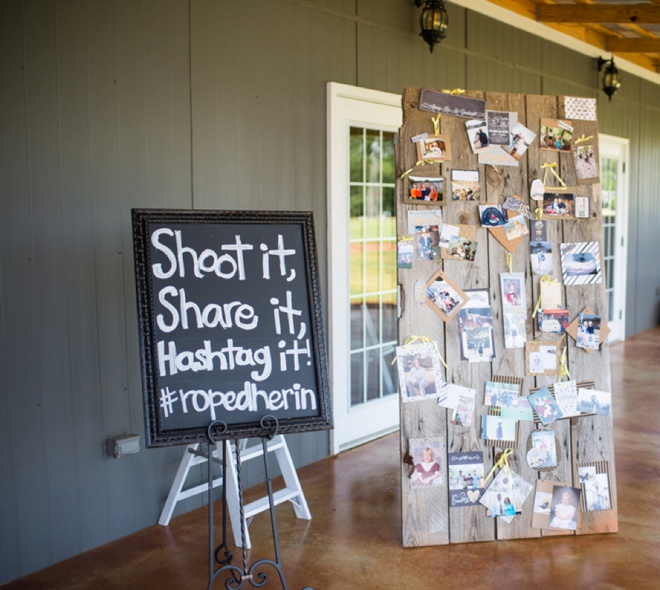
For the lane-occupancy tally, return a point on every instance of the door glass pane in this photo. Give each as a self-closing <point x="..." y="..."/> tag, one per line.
<point x="373" y="265"/>
<point x="609" y="188"/>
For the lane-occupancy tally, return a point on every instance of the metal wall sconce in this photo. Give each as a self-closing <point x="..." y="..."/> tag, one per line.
<point x="611" y="76"/>
<point x="433" y="21"/>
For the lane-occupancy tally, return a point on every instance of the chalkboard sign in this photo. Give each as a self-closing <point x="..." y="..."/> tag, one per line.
<point x="230" y="324"/>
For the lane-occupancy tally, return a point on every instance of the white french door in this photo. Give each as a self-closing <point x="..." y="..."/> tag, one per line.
<point x="362" y="127"/>
<point x="614" y="191"/>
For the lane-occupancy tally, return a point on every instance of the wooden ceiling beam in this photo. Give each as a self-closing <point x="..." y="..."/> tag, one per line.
<point x="601" y="13"/>
<point x="628" y="45"/>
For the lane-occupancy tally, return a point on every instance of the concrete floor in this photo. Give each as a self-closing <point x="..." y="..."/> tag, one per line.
<point x="354" y="539"/>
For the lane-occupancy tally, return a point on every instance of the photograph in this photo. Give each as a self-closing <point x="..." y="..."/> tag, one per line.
<point x="552" y="321"/>
<point x="463" y="413"/>
<point x="451" y="393"/>
<point x="421" y="217"/>
<point x="420" y="371"/>
<point x="564" y="508"/>
<point x="427" y="242"/>
<point x="586" y="165"/>
<point x="558" y="205"/>
<point x="515" y="227"/>
<point x="500" y="124"/>
<point x="434" y="148"/>
<point x="465" y="185"/>
<point x="506" y="494"/>
<point x="449" y="233"/>
<point x="513" y="290"/>
<point x="515" y="329"/>
<point x="405" y="253"/>
<point x="475" y="327"/>
<point x="541" y="257"/>
<point x="545" y="451"/>
<point x="466" y="478"/>
<point x="477" y="132"/>
<point x="520" y="139"/>
<point x="556" y="135"/>
<point x="501" y="394"/>
<point x="427" y="456"/>
<point x="580" y="263"/>
<point x="462" y="249"/>
<point x="492" y="215"/>
<point x="542" y="358"/>
<point x="588" y="334"/>
<point x="443" y="296"/>
<point x="593" y="401"/>
<point x="544" y="405"/>
<point x="498" y="428"/>
<point x="596" y="489"/>
<point x="425" y="190"/>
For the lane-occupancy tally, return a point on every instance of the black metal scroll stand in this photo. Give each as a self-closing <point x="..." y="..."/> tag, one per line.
<point x="221" y="554"/>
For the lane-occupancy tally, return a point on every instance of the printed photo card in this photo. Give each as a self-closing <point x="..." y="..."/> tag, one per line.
<point x="466" y="478"/>
<point x="420" y="371"/>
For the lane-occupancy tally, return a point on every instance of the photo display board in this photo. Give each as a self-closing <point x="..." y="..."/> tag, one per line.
<point x="506" y="418"/>
<point x="230" y="324"/>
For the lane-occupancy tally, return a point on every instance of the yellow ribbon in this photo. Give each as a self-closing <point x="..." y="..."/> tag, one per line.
<point x="583" y="138"/>
<point x="403" y="238"/>
<point x="412" y="339"/>
<point x="539" y="213"/>
<point x="544" y="279"/>
<point x="551" y="166"/>
<point x="436" y="125"/>
<point x="418" y="163"/>
<point x="502" y="463"/>
<point x="454" y="91"/>
<point x="563" y="366"/>
<point x="509" y="262"/>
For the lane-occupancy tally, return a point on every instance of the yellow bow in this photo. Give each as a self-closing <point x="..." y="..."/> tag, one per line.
<point x="502" y="463"/>
<point x="436" y="125"/>
<point x="418" y="163"/>
<point x="563" y="366"/>
<point x="583" y="138"/>
<point x="403" y="238"/>
<point x="551" y="166"/>
<point x="454" y="91"/>
<point x="413" y="339"/>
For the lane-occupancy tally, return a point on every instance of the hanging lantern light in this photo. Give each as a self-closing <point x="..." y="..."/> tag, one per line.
<point x="611" y="76"/>
<point x="433" y="21"/>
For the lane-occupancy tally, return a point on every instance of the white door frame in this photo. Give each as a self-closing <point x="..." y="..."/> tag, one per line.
<point x="360" y="107"/>
<point x="619" y="147"/>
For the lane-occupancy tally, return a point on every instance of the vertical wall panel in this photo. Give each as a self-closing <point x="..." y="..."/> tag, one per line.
<point x="14" y="282"/>
<point x="78" y="253"/>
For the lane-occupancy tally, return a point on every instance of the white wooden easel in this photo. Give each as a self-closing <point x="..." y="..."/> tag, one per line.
<point x="292" y="492"/>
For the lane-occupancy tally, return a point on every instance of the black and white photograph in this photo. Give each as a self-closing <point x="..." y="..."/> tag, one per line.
<point x="500" y="124"/>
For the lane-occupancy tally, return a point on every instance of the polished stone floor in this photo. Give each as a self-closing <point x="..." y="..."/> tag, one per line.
<point x="354" y="538"/>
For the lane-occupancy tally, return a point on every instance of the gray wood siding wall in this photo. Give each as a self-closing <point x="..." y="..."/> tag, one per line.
<point x="107" y="105"/>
